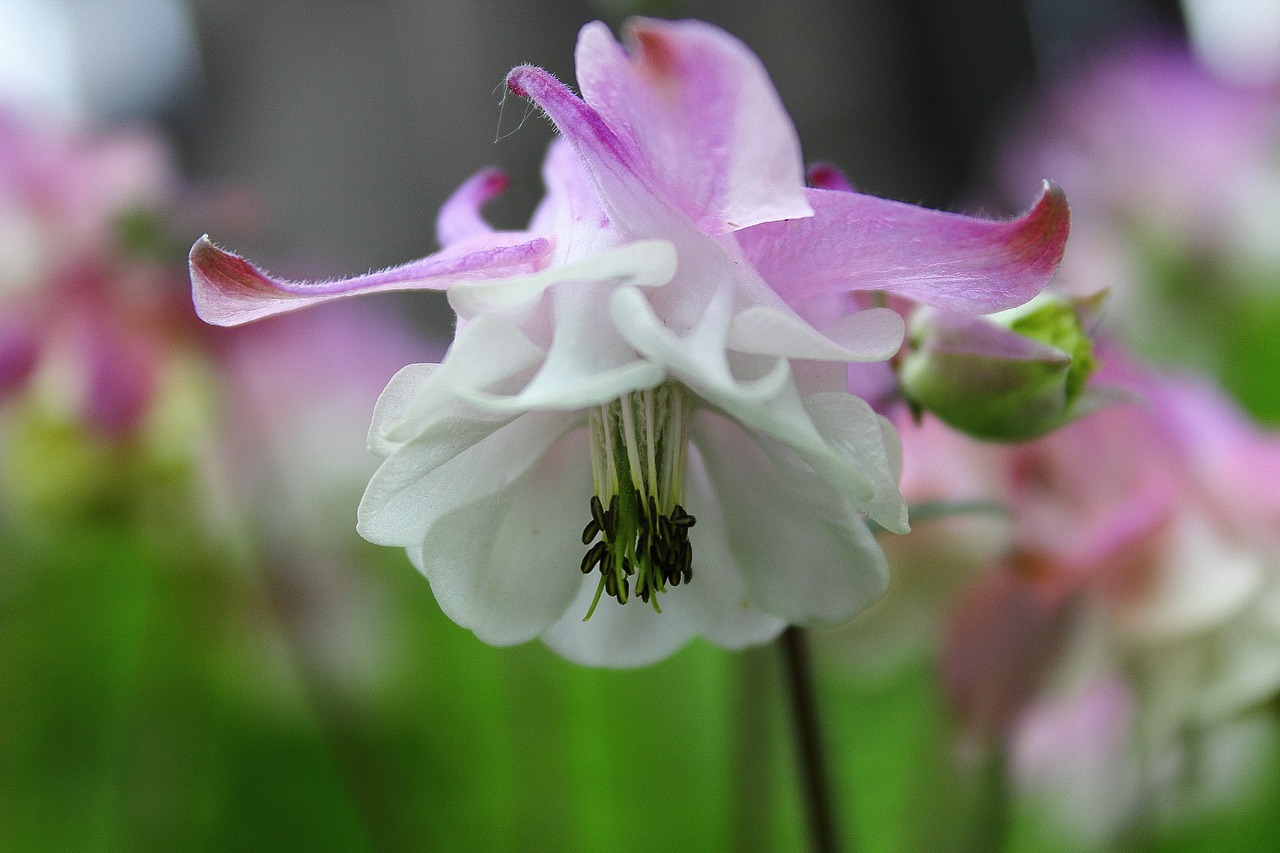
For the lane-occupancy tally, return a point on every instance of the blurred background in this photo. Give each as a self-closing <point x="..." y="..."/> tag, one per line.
<point x="197" y="652"/>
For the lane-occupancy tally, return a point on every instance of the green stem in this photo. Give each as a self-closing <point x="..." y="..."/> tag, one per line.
<point x="814" y="779"/>
<point x="991" y="821"/>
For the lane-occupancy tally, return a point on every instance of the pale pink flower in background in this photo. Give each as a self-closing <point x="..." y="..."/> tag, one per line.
<point x="83" y="325"/>
<point x="63" y="191"/>
<point x="669" y="339"/>
<point x="1174" y="179"/>
<point x="1142" y="551"/>
<point x="295" y="393"/>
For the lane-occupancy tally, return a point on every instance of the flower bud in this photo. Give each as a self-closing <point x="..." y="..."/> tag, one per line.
<point x="1011" y="376"/>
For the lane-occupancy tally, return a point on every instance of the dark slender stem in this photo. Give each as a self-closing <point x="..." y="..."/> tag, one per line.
<point x="814" y="779"/>
<point x="991" y="823"/>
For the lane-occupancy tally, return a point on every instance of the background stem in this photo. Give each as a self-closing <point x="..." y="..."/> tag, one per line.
<point x="814" y="779"/>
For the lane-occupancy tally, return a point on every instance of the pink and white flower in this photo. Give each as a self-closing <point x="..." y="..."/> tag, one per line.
<point x="670" y="338"/>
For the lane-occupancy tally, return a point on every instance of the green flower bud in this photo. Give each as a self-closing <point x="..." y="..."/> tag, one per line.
<point x="1012" y="376"/>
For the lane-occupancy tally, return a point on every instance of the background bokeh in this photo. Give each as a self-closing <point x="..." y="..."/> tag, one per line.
<point x="198" y="653"/>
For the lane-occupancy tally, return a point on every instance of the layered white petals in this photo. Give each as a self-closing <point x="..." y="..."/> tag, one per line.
<point x="716" y="604"/>
<point x="583" y="367"/>
<point x="394" y="401"/>
<point x="871" y="335"/>
<point x="784" y="523"/>
<point x="486" y="352"/>
<point x="568" y="393"/>
<point x="505" y="565"/>
<point x="698" y="359"/>
<point x="868" y="443"/>
<point x="771" y="404"/>
<point x="643" y="263"/>
<point x="455" y="461"/>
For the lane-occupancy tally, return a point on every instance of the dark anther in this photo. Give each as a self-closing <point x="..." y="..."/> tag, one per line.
<point x="595" y="555"/>
<point x="660" y="556"/>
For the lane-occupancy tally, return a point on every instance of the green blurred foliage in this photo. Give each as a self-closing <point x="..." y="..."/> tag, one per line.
<point x="162" y="695"/>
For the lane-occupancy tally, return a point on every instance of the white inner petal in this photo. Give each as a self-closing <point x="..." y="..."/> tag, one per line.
<point x="804" y="552"/>
<point x="569" y="393"/>
<point x="453" y="463"/>
<point x="491" y="348"/>
<point x="871" y="335"/>
<point x="869" y="444"/>
<point x="506" y="565"/>
<point x="394" y="401"/>
<point x="644" y="263"/>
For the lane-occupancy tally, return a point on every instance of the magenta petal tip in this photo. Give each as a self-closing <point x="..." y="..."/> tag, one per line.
<point x="827" y="176"/>
<point x="518" y="79"/>
<point x="220" y="281"/>
<point x="1040" y="237"/>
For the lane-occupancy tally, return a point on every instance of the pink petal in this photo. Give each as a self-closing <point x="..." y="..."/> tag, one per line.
<point x="460" y="217"/>
<point x="704" y="117"/>
<point x="610" y="161"/>
<point x="121" y="375"/>
<point x="19" y="351"/>
<point x="859" y="242"/>
<point x="571" y="200"/>
<point x="229" y="290"/>
<point x="954" y="333"/>
<point x="1004" y="637"/>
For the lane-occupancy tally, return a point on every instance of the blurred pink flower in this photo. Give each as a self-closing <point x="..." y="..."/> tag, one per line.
<point x="292" y="420"/>
<point x="64" y="191"/>
<point x="1143" y="549"/>
<point x="672" y="331"/>
<point x="1167" y="167"/>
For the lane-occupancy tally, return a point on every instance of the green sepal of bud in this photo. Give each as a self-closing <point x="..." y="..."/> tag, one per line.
<point x="1012" y="376"/>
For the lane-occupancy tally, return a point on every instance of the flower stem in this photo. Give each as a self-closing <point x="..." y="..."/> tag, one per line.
<point x="814" y="779"/>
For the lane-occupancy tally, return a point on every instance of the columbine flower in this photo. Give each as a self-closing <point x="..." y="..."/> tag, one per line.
<point x="658" y="363"/>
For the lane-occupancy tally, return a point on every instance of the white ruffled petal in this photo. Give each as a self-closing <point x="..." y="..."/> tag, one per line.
<point x="718" y="599"/>
<point x="490" y="350"/>
<point x="871" y="335"/>
<point x="869" y="444"/>
<point x="616" y="635"/>
<point x="699" y="358"/>
<point x="506" y="566"/>
<point x="567" y="392"/>
<point x="805" y="553"/>
<point x="858" y="466"/>
<point x="394" y="401"/>
<point x="455" y="462"/>
<point x="644" y="263"/>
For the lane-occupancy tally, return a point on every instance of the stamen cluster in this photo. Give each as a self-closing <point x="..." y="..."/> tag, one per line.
<point x="638" y="452"/>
